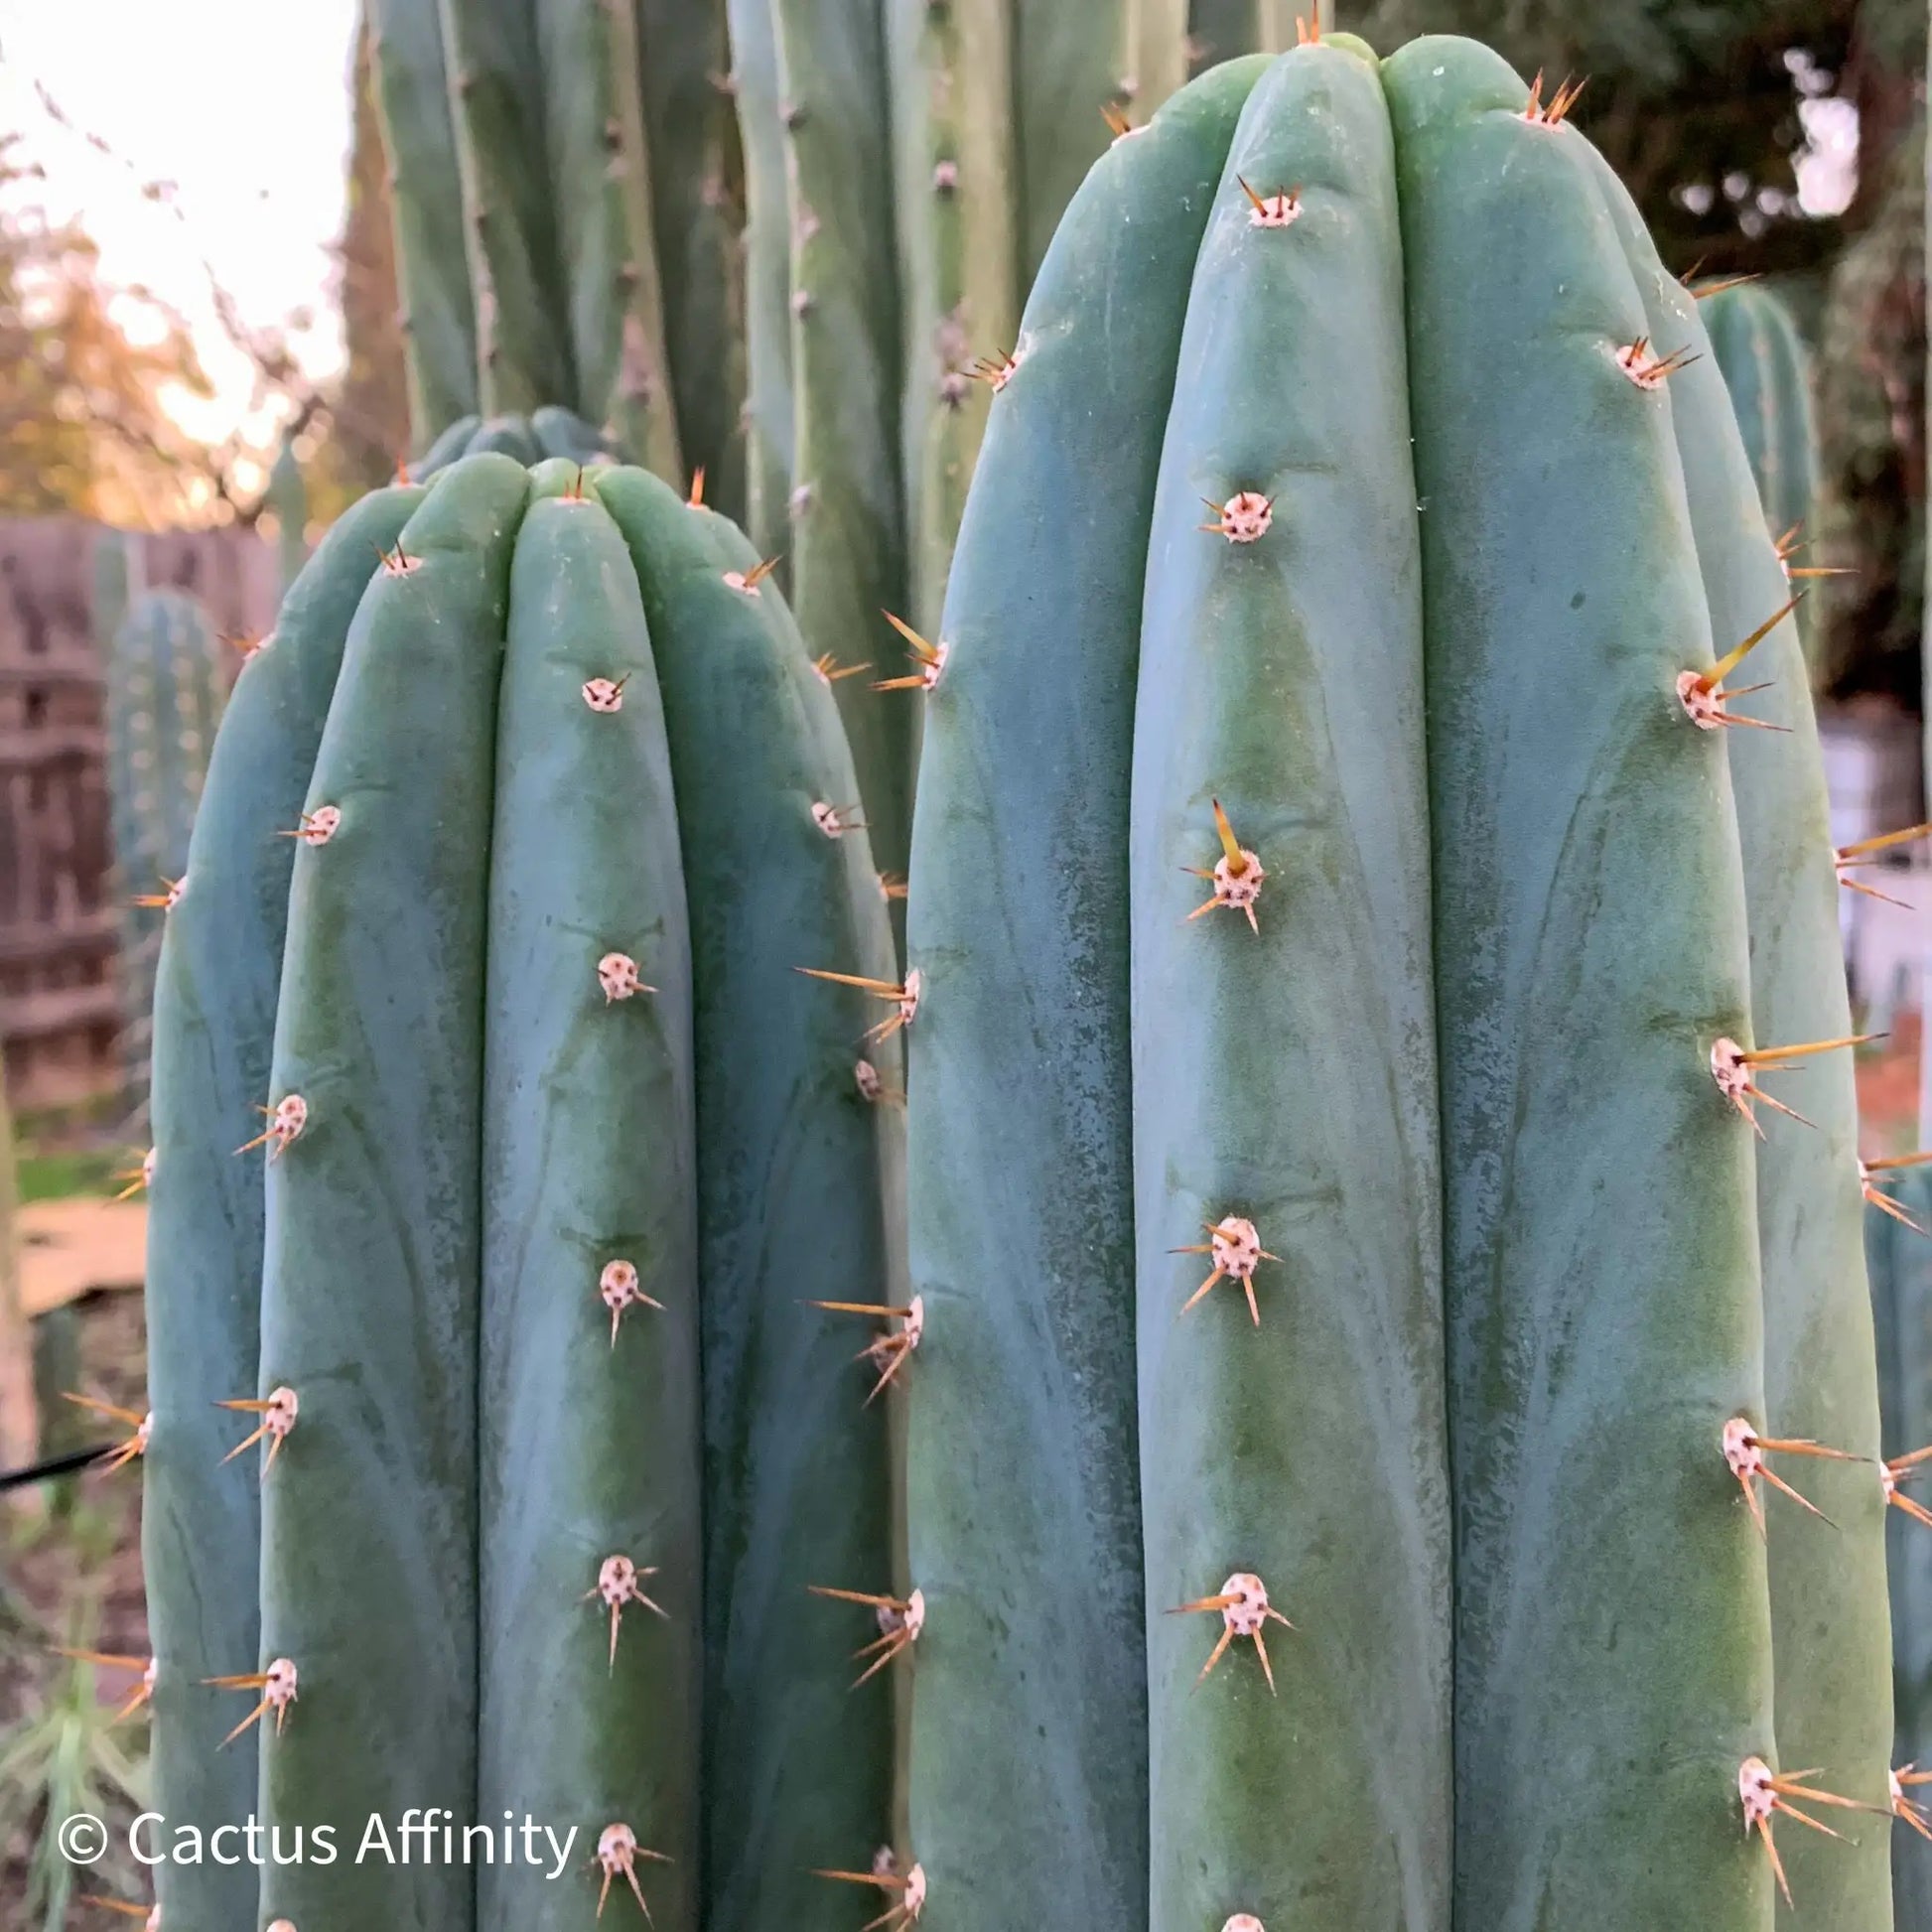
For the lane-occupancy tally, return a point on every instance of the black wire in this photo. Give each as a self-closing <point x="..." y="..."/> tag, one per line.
<point x="54" y="1466"/>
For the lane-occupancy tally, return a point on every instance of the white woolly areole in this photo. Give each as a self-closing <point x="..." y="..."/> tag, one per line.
<point x="319" y="826"/>
<point x="1276" y="212"/>
<point x="1007" y="367"/>
<point x="1741" y="1451"/>
<point x="618" y="1284"/>
<point x="739" y="581"/>
<point x="1642" y="365"/>
<point x="278" y="1686"/>
<point x="174" y="892"/>
<point x="1240" y="888"/>
<point x="148" y="1676"/>
<point x="884" y="1862"/>
<point x="1755" y="1791"/>
<point x="603" y="694"/>
<point x="279" y="1417"/>
<point x="617" y="1848"/>
<point x="1246" y="517"/>
<point x="1244" y="1922"/>
<point x="617" y="973"/>
<point x="911" y="1619"/>
<point x="290" y="1117"/>
<point x="147" y="1168"/>
<point x="1887" y="1481"/>
<point x="909" y="1004"/>
<point x="1730" y="1070"/>
<point x="1703" y="703"/>
<point x="1248" y="1613"/>
<point x="826" y="818"/>
<point x="913" y="1899"/>
<point x="1236" y="1249"/>
<point x="866" y="1077"/>
<point x="282" y="1925"/>
<point x="153" y="1922"/>
<point x="143" y="1433"/>
<point x="617" y="1580"/>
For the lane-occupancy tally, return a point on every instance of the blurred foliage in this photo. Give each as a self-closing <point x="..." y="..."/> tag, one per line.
<point x="82" y="423"/>
<point x="1872" y="415"/>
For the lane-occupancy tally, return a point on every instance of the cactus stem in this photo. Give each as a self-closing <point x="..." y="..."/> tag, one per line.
<point x="748" y="581"/>
<point x="1245" y="1612"/>
<point x="1243" y="519"/>
<point x="167" y="899"/>
<point x="617" y="1852"/>
<point x="871" y="1088"/>
<point x="930" y="658"/>
<point x="141" y="1424"/>
<point x="696" y="498"/>
<point x="1744" y="1453"/>
<point x="1909" y="1808"/>
<point x="277" y="1686"/>
<point x="905" y="997"/>
<point x="1646" y="369"/>
<point x="621" y="1582"/>
<point x="1701" y="693"/>
<point x="1764" y="1791"/>
<point x="1236" y="875"/>
<point x="1237" y="1252"/>
<point x="286" y="1120"/>
<point x="1560" y="102"/>
<point x="618" y="1289"/>
<point x="837" y="821"/>
<point x="317" y="827"/>
<point x="1281" y="210"/>
<point x="277" y="1411"/>
<point x="998" y="369"/>
<point x="829" y="671"/>
<point x="904" y="1909"/>
<point x="143" y="1691"/>
<point x="616" y="974"/>
<point x="606" y="694"/>
<point x="901" y="1620"/>
<point x="1876" y="1196"/>
<point x="138" y="1179"/>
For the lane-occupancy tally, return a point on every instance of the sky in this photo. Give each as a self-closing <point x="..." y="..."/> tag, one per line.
<point x="244" y="104"/>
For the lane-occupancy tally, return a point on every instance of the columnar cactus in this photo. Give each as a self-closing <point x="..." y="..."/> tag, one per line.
<point x="1766" y="367"/>
<point x="166" y="684"/>
<point x="1368" y="954"/>
<point x="558" y="1142"/>
<point x="288" y="497"/>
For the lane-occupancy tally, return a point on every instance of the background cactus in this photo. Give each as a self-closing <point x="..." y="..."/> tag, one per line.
<point x="1766" y="367"/>
<point x="288" y="497"/>
<point x="1563" y="878"/>
<point x="164" y="691"/>
<point x="540" y="1141"/>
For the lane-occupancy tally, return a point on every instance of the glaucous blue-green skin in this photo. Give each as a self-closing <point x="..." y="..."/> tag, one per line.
<point x="589" y="1446"/>
<point x="215" y="991"/>
<point x="370" y="1295"/>
<point x="1288" y="1075"/>
<point x="432" y="260"/>
<point x="1028" y="1775"/>
<point x="800" y="1199"/>
<point x="1900" y="1262"/>
<point x="1612" y="1641"/>
<point x="164" y="692"/>
<point x="1829" y="1625"/>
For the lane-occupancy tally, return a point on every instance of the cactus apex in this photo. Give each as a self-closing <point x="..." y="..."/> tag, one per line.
<point x="605" y="694"/>
<point x="1560" y="104"/>
<point x="930" y="660"/>
<point x="277" y="1684"/>
<point x="1640" y="362"/>
<point x="618" y="1289"/>
<point x="1701" y="693"/>
<point x="1281" y="210"/>
<point x="901" y="1620"/>
<point x="617" y="1852"/>
<point x="904" y="1909"/>
<point x="142" y="1425"/>
<point x="1764" y="1791"/>
<point x="277" y="1411"/>
<point x="1236" y="1249"/>
<point x="1744" y="1453"/>
<point x="1244" y="1611"/>
<point x="621" y="1582"/>
<point x="616" y="974"/>
<point x="286" y="1121"/>
<point x="317" y="827"/>
<point x="1236" y="875"/>
<point x="1243" y="519"/>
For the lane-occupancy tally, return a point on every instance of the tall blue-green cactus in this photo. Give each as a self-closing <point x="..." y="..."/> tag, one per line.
<point x="519" y="833"/>
<point x="1391" y="1240"/>
<point x="166" y="685"/>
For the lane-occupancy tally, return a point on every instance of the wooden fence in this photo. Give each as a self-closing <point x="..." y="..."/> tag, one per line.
<point x="59" y="1001"/>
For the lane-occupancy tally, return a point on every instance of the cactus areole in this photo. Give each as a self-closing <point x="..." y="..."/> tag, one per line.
<point x="1384" y="1196"/>
<point x="506" y="1166"/>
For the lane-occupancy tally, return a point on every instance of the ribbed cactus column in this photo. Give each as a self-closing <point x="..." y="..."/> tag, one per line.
<point x="216" y="993"/>
<point x="164" y="691"/>
<point x="18" y="1417"/>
